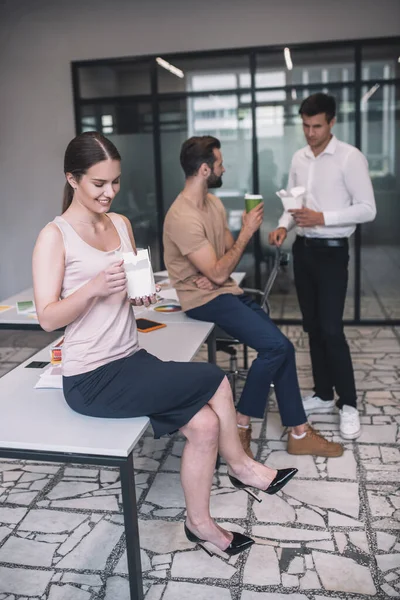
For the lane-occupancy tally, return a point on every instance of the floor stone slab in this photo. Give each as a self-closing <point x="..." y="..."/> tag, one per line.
<point x="387" y="562"/>
<point x="117" y="588"/>
<point x="92" y="553"/>
<point x="122" y="565"/>
<point x="378" y="434"/>
<point x="385" y="541"/>
<point x="184" y="591"/>
<point x="305" y="464"/>
<point x="67" y="592"/>
<point x="99" y="503"/>
<point x="262" y="566"/>
<point x="198" y="565"/>
<point x="21" y="551"/>
<point x="309" y="517"/>
<point x="341" y="574"/>
<point x="275" y="510"/>
<point x="337" y="520"/>
<point x="229" y="506"/>
<point x="30" y="582"/>
<point x="338" y="495"/>
<point x="344" y="467"/>
<point x="310" y="581"/>
<point x="4" y="532"/>
<point x="359" y="539"/>
<point x="70" y="489"/>
<point x="82" y="578"/>
<point x="163" y="537"/>
<point x="248" y="595"/>
<point x="51" y="521"/>
<point x="277" y="532"/>
<point x="166" y="491"/>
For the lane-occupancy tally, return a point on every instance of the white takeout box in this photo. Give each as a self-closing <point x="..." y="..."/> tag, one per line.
<point x="139" y="274"/>
<point x="292" y="199"/>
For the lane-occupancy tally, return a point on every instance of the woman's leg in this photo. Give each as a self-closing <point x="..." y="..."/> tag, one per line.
<point x="241" y="466"/>
<point x="197" y="469"/>
<point x="213" y="427"/>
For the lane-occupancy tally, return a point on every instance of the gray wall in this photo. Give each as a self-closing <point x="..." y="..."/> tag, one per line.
<point x="39" y="39"/>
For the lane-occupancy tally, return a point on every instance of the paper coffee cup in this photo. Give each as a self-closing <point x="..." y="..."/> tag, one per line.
<point x="252" y="200"/>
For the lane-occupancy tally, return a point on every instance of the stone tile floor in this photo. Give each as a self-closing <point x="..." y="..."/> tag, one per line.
<point x="332" y="533"/>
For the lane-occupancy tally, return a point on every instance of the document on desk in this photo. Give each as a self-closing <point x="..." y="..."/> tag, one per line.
<point x="50" y="378"/>
<point x="26" y="307"/>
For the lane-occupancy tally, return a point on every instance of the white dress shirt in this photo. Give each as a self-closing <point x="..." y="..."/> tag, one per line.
<point x="337" y="184"/>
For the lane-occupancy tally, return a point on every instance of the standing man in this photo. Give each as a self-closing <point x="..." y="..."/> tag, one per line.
<point x="338" y="196"/>
<point x="201" y="254"/>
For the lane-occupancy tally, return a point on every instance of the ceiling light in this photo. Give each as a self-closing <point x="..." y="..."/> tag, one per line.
<point x="288" y="59"/>
<point x="166" y="65"/>
<point x="294" y="94"/>
<point x="370" y="93"/>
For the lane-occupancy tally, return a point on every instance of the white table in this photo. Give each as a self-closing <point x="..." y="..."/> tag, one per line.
<point x="10" y="319"/>
<point x="37" y="424"/>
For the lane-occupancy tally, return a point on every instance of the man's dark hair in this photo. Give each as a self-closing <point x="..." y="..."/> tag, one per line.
<point x="317" y="104"/>
<point x="196" y="151"/>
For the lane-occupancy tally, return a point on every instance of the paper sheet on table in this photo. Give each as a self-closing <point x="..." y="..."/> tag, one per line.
<point x="26" y="307"/>
<point x="50" y="378"/>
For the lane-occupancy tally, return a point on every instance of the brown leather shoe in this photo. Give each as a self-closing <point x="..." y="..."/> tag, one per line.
<point x="313" y="443"/>
<point x="245" y="439"/>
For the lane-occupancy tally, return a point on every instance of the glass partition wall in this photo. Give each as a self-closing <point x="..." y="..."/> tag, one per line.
<point x="250" y="99"/>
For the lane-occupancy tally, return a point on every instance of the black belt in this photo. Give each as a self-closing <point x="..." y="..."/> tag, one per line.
<point x="313" y="242"/>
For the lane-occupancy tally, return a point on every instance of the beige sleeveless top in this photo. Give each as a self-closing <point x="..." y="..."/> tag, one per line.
<point x="106" y="331"/>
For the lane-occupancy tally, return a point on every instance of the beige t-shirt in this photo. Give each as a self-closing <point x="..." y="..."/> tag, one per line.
<point x="188" y="228"/>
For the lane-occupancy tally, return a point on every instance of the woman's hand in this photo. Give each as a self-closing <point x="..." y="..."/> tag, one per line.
<point x="145" y="300"/>
<point x="110" y="281"/>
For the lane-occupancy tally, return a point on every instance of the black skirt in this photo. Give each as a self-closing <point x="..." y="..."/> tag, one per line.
<point x="169" y="393"/>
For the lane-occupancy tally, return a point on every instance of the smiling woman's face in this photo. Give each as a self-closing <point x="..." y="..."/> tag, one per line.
<point x="98" y="186"/>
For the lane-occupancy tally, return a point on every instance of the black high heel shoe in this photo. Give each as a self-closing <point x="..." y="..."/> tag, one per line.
<point x="238" y="544"/>
<point x="282" y="477"/>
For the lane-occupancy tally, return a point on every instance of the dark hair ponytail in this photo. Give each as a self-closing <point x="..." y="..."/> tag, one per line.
<point x="67" y="196"/>
<point x="84" y="151"/>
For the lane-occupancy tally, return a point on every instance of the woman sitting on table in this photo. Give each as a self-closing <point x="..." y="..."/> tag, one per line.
<point x="80" y="284"/>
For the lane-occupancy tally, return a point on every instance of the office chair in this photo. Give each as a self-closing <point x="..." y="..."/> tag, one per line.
<point x="228" y="344"/>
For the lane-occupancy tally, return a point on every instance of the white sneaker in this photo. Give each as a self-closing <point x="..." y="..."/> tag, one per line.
<point x="314" y="404"/>
<point x="350" y="427"/>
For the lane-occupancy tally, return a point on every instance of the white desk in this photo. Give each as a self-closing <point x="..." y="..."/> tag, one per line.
<point x="31" y="420"/>
<point x="10" y="319"/>
<point x="37" y="424"/>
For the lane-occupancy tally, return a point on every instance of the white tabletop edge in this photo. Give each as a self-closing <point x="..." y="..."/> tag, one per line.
<point x="47" y="407"/>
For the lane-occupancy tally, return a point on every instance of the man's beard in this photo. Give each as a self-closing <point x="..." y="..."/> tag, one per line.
<point x="214" y="181"/>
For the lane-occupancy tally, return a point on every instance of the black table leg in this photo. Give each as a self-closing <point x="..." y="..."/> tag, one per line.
<point x="212" y="348"/>
<point x="131" y="529"/>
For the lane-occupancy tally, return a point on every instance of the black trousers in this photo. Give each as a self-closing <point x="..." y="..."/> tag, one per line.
<point x="321" y="276"/>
